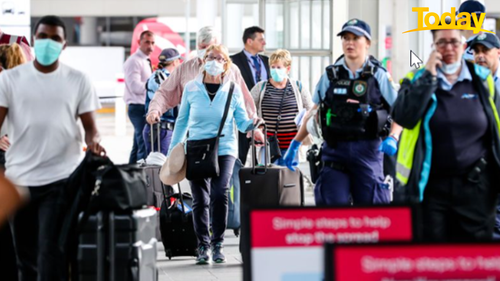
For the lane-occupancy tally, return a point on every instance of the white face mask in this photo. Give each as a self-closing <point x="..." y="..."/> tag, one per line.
<point x="201" y="53"/>
<point x="450" y="68"/>
<point x="214" y="68"/>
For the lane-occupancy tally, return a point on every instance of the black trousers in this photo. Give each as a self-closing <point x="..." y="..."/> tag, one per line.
<point x="35" y="234"/>
<point x="458" y="210"/>
<point x="212" y="194"/>
<point x="8" y="266"/>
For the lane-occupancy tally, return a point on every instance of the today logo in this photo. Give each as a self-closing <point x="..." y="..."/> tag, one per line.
<point x="463" y="23"/>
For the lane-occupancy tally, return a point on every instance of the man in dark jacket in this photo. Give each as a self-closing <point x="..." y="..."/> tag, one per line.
<point x="449" y="150"/>
<point x="254" y="68"/>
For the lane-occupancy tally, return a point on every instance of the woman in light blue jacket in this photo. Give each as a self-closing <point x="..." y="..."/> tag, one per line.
<point x="200" y="114"/>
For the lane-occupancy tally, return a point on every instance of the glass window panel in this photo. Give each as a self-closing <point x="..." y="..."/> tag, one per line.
<point x="305" y="23"/>
<point x="274" y="25"/>
<point x="327" y="31"/>
<point x="294" y="71"/>
<point x="305" y="73"/>
<point x="294" y="24"/>
<point x="239" y="17"/>
<point x="316" y="70"/>
<point x="317" y="25"/>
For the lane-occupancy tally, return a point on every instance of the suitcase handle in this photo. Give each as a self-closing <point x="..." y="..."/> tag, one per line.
<point x="254" y="149"/>
<point x="158" y="135"/>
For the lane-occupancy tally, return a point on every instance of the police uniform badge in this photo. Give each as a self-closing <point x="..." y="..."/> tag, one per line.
<point x="352" y="22"/>
<point x="359" y="88"/>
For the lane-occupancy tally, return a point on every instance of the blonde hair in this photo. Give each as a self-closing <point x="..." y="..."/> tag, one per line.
<point x="11" y="55"/>
<point x="224" y="52"/>
<point x="281" y="55"/>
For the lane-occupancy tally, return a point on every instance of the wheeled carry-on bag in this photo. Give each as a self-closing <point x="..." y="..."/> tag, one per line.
<point x="270" y="185"/>
<point x="176" y="225"/>
<point x="234" y="212"/>
<point x="154" y="184"/>
<point x="114" y="247"/>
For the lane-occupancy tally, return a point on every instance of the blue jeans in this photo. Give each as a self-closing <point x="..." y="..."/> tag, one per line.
<point x="212" y="194"/>
<point x="136" y="114"/>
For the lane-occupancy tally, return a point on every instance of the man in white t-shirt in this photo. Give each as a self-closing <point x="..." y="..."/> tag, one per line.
<point x="43" y="101"/>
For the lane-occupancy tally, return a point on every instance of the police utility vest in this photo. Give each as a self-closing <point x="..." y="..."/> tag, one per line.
<point x="353" y="109"/>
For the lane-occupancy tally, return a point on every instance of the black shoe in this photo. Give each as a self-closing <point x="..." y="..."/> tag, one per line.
<point x="203" y="257"/>
<point x="217" y="255"/>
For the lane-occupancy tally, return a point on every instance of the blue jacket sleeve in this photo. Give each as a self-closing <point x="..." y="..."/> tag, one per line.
<point x="181" y="124"/>
<point x="386" y="88"/>
<point x="321" y="88"/>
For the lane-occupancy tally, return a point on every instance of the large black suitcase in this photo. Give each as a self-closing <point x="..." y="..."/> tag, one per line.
<point x="118" y="247"/>
<point x="270" y="185"/>
<point x="176" y="225"/>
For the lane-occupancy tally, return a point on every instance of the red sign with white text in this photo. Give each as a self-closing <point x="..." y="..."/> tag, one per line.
<point x="480" y="262"/>
<point x="315" y="226"/>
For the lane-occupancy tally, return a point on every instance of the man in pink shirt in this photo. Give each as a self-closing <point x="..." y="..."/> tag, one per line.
<point x="21" y="40"/>
<point x="170" y="92"/>
<point x="137" y="71"/>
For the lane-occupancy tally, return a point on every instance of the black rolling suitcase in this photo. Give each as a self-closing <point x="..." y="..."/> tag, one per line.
<point x="270" y="185"/>
<point x="118" y="247"/>
<point x="176" y="225"/>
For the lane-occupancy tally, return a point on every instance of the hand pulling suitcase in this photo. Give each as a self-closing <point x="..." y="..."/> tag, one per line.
<point x="270" y="185"/>
<point x="176" y="225"/>
<point x="118" y="247"/>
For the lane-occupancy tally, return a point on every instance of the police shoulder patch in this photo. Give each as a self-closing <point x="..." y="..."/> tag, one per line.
<point x="359" y="88"/>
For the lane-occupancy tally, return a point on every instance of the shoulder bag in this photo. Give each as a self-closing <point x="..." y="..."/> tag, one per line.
<point x="203" y="155"/>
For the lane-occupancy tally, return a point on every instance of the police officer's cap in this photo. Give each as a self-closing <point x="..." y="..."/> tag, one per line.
<point x="471" y="7"/>
<point x="169" y="54"/>
<point x="357" y="27"/>
<point x="489" y="40"/>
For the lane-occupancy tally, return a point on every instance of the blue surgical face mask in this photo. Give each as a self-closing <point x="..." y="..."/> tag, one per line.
<point x="47" y="51"/>
<point x="214" y="68"/>
<point x="451" y="68"/>
<point x="278" y="74"/>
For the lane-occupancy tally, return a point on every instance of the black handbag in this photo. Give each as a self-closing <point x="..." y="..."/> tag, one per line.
<point x="119" y="188"/>
<point x="274" y="144"/>
<point x="203" y="155"/>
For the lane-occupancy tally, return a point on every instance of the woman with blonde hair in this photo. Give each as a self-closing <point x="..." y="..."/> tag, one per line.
<point x="201" y="112"/>
<point x="11" y="56"/>
<point x="278" y="101"/>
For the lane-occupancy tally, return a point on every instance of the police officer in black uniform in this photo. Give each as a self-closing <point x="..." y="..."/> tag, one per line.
<point x="354" y="97"/>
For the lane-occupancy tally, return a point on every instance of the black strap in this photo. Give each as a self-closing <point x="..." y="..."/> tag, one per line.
<point x="278" y="119"/>
<point x="226" y="110"/>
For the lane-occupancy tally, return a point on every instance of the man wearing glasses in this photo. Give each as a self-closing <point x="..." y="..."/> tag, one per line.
<point x="450" y="150"/>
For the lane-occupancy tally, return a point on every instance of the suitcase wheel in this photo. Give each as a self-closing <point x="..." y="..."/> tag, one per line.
<point x="168" y="253"/>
